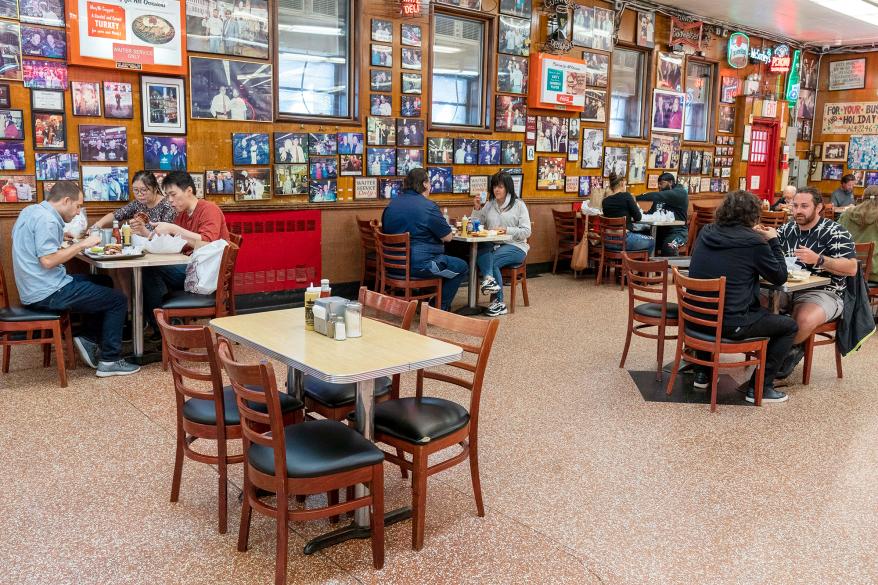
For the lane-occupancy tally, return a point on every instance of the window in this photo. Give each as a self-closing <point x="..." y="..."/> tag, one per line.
<point x="314" y="67"/>
<point x="699" y="97"/>
<point x="458" y="88"/>
<point x="626" y="93"/>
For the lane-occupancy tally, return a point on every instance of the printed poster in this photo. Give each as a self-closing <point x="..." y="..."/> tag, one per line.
<point x="850" y="118"/>
<point x="563" y="83"/>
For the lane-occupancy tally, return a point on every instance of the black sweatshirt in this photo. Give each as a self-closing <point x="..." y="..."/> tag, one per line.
<point x="675" y="199"/>
<point x="743" y="256"/>
<point x="622" y="204"/>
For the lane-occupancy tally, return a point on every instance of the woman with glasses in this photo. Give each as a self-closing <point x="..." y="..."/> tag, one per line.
<point x="148" y="199"/>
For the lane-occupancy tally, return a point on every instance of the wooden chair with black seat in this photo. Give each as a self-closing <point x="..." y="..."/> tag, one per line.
<point x="424" y="425"/>
<point x="206" y="409"/>
<point x="612" y="232"/>
<point x="565" y="237"/>
<point x="367" y="229"/>
<point x="700" y="317"/>
<point x="702" y="215"/>
<point x="773" y="219"/>
<point x="395" y="269"/>
<point x="648" y="305"/>
<point x="180" y="304"/>
<point x="20" y="326"/>
<point x="515" y="276"/>
<point x="298" y="459"/>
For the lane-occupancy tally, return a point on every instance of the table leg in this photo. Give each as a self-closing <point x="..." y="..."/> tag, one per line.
<point x="296" y="383"/>
<point x="137" y="310"/>
<point x="774" y="301"/>
<point x="472" y="307"/>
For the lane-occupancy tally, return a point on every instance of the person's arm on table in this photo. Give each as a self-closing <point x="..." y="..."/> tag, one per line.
<point x="62" y="255"/>
<point x="770" y="263"/>
<point x="838" y="266"/>
<point x="634" y="210"/>
<point x="437" y="225"/>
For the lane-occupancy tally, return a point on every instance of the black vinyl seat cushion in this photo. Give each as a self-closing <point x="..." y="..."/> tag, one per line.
<point x="708" y="337"/>
<point x="316" y="448"/>
<point x="335" y="395"/>
<point x="23" y="315"/>
<point x="420" y="420"/>
<point x="654" y="310"/>
<point x="180" y="299"/>
<point x="203" y="411"/>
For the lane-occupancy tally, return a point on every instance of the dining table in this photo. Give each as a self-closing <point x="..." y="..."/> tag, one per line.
<point x="789" y="287"/>
<point x="472" y="307"/>
<point x="654" y="224"/>
<point x="382" y="350"/>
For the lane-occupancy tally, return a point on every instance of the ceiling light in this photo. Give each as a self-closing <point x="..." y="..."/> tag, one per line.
<point x="860" y="9"/>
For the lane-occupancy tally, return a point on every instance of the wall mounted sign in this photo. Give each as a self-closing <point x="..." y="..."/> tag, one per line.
<point x="762" y="56"/>
<point x="793" y="79"/>
<point x="685" y="33"/>
<point x="409" y="7"/>
<point x="557" y="82"/>
<point x="850" y="118"/>
<point x="849" y="74"/>
<point x="780" y="59"/>
<point x="738" y="50"/>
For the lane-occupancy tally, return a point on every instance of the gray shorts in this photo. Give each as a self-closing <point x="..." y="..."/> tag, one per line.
<point x="830" y="302"/>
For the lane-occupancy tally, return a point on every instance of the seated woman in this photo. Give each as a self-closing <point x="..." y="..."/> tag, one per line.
<point x="148" y="199"/>
<point x="621" y="203"/>
<point x="862" y="222"/>
<point x="503" y="210"/>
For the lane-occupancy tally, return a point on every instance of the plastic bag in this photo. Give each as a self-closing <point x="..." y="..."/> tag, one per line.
<point x="77" y="225"/>
<point x="159" y="244"/>
<point x="202" y="273"/>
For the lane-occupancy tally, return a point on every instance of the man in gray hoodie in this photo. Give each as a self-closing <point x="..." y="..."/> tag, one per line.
<point x="674" y="198"/>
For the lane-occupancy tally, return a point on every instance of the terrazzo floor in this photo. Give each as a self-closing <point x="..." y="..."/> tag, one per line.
<point x="584" y="482"/>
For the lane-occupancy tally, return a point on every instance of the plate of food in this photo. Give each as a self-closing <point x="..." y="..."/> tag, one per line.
<point x="798" y="275"/>
<point x="113" y="252"/>
<point x="153" y="29"/>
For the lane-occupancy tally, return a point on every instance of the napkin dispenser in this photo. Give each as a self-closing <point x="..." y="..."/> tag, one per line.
<point x="326" y="310"/>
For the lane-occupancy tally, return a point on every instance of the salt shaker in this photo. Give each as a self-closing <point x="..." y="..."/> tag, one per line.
<point x="353" y="319"/>
<point x="340" y="329"/>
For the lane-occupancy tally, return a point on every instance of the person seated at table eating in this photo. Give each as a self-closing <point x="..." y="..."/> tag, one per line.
<point x="148" y="199"/>
<point x="824" y="248"/>
<point x="198" y="222"/>
<point x="737" y="247"/>
<point x="428" y="232"/>
<point x="844" y="195"/>
<point x="504" y="210"/>
<point x="862" y="223"/>
<point x="43" y="284"/>
<point x="785" y="201"/>
<point x="674" y="198"/>
<point x="621" y="203"/>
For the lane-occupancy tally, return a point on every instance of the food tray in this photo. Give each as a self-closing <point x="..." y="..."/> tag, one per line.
<point x="113" y="256"/>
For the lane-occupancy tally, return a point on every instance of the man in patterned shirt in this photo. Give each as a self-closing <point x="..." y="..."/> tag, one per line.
<point x="824" y="248"/>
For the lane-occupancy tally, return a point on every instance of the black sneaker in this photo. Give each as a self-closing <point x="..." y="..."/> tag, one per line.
<point x="702" y="380"/>
<point x="769" y="394"/>
<point x="496" y="308"/>
<point x="791" y="361"/>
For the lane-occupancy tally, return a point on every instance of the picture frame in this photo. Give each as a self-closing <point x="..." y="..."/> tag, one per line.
<point x="10" y="49"/>
<point x="290" y="147"/>
<point x="85" y="98"/>
<point x="847" y="74"/>
<point x="47" y="100"/>
<point x="616" y="161"/>
<point x="33" y="13"/>
<point x="409" y="132"/>
<point x="253" y="184"/>
<point x="411" y="35"/>
<point x="365" y="188"/>
<point x="49" y="130"/>
<point x="440" y="179"/>
<point x="380" y="131"/>
<point x="510" y="114"/>
<point x="668" y="111"/>
<point x="664" y="152"/>
<point x="18" y="188"/>
<point x="551" y="172"/>
<point x="466" y="151"/>
<point x="323" y="191"/>
<point x="381" y="161"/>
<point x="835" y="152"/>
<point x="730" y="87"/>
<point x="102" y="143"/>
<point x="382" y="30"/>
<point x="221" y="182"/>
<point x="350" y="165"/>
<point x="165" y="153"/>
<point x="669" y="72"/>
<point x="645" y="29"/>
<point x="43" y="74"/>
<point x="592" y="148"/>
<point x="5" y="99"/>
<point x="516" y="8"/>
<point x="597" y="69"/>
<point x="513" y="35"/>
<point x="408" y="159"/>
<point x="118" y="100"/>
<point x="726" y="120"/>
<point x="52" y="166"/>
<point x="411" y="83"/>
<point x="637" y="156"/>
<point x="595" y="109"/>
<point x="218" y="87"/>
<point x="512" y="74"/>
<point x="382" y="55"/>
<point x="13" y="124"/>
<point x="389" y="188"/>
<point x="323" y="167"/>
<point x="291" y="179"/>
<point x="440" y="151"/>
<point x="863" y="152"/>
<point x="38" y="41"/>
<point x="251" y="148"/>
<point x="164" y="112"/>
<point x="250" y="37"/>
<point x="460" y="184"/>
<point x="350" y="142"/>
<point x="105" y="183"/>
<point x="380" y="80"/>
<point x="411" y="58"/>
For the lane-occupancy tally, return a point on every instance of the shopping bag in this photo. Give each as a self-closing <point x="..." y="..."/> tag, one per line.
<point x="203" y="270"/>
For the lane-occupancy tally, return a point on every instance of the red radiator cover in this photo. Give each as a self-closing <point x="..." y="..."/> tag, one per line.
<point x="281" y="250"/>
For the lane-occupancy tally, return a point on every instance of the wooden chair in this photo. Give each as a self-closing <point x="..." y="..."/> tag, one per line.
<point x="205" y="409"/>
<point x="701" y="304"/>
<point x="773" y="219"/>
<point x="20" y="326"/>
<point x="648" y="305"/>
<point x="828" y="211"/>
<point x="180" y="304"/>
<point x="395" y="268"/>
<point x="565" y="237"/>
<point x="370" y="252"/>
<point x="612" y="232"/>
<point x="514" y="276"/>
<point x="236" y="239"/>
<point x="424" y="425"/>
<point x="335" y="401"/>
<point x="298" y="459"/>
<point x="702" y="215"/>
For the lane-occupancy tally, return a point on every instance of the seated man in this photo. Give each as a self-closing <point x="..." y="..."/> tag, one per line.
<point x="734" y="246"/>
<point x="44" y="285"/>
<point x="785" y="200"/>
<point x="198" y="222"/>
<point x="844" y="195"/>
<point x="674" y="198"/>
<point x="824" y="248"/>
<point x="412" y="212"/>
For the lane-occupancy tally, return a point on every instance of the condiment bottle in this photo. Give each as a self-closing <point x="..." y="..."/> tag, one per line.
<point x="117" y="234"/>
<point x="464" y="226"/>
<point x="340" y="329"/>
<point x="126" y="234"/>
<point x="353" y="319"/>
<point x="325" y="291"/>
<point x="312" y="293"/>
<point x="445" y="215"/>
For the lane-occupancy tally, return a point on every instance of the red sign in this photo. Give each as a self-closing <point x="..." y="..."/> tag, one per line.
<point x="780" y="59"/>
<point x="685" y="33"/>
<point x="409" y="7"/>
<point x="133" y="54"/>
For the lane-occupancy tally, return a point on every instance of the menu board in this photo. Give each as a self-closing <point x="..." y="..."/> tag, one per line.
<point x="128" y="34"/>
<point x="849" y="74"/>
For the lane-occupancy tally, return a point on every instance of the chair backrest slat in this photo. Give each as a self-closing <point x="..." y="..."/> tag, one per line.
<point x="647" y="280"/>
<point x="701" y="302"/>
<point x="225" y="285"/>
<point x="4" y="294"/>
<point x="367" y="229"/>
<point x="187" y="346"/>
<point x="773" y="218"/>
<point x="864" y="255"/>
<point x="394" y="255"/>
<point x="379" y="306"/>
<point x="612" y="231"/>
<point x="565" y="224"/>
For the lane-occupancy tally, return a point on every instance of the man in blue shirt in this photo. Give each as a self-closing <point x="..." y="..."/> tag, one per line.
<point x="428" y="231"/>
<point x="43" y="283"/>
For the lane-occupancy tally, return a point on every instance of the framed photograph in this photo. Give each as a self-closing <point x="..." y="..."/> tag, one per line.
<point x="440" y="151"/>
<point x="5" y="100"/>
<point x="835" y="151"/>
<point x="165" y="153"/>
<point x="863" y="152"/>
<point x="365" y="188"/>
<point x="583" y="25"/>
<point x="832" y="171"/>
<point x="597" y="69"/>
<point x="489" y="152"/>
<point x="222" y="182"/>
<point x="225" y="27"/>
<point x="595" y="106"/>
<point x="871" y="178"/>
<point x="616" y="161"/>
<point x="513" y="36"/>
<point x="646" y="29"/>
<point x="411" y="35"/>
<point x="685" y="161"/>
<point x="510" y="152"/>
<point x="440" y="179"/>
<point x="510" y="114"/>
<point x="411" y="83"/>
<point x="380" y="80"/>
<point x="9" y="9"/>
<point x="389" y="188"/>
<point x="466" y="151"/>
<point x="37" y="41"/>
<point x="381" y="162"/>
<point x="847" y="74"/>
<point x="10" y="51"/>
<point x="809" y="71"/>
<point x="478" y="184"/>
<point x="290" y="147"/>
<point x="13" y="125"/>
<point x="730" y="88"/>
<point x="323" y="167"/>
<point x="323" y="191"/>
<point x="592" y="148"/>
<point x="321" y="144"/>
<point x="460" y="184"/>
<point x="291" y="179"/>
<point x="695" y="163"/>
<point x="860" y="177"/>
<point x="350" y="164"/>
<point x="637" y="165"/>
<point x="380" y="131"/>
<point x="50" y="131"/>
<point x="49" y="166"/>
<point x="86" y="96"/>
<point x="516" y="7"/>
<point x="410" y="106"/>
<point x="726" y="123"/>
<point x="552" y="134"/>
<point x="550" y="172"/>
<point x="411" y="58"/>
<point x="571" y="184"/>
<point x="380" y="105"/>
<point x="349" y="142"/>
<point x="652" y="182"/>
<point x="43" y="74"/>
<point x="805" y="128"/>
<point x="382" y="30"/>
<point x="223" y="89"/>
<point x="408" y="159"/>
<point x="667" y="111"/>
<point x="163" y="104"/>
<point x="511" y="74"/>
<point x="382" y="56"/>
<point x="47" y="12"/>
<point x="252" y="184"/>
<point x="669" y="73"/>
<point x="807" y="103"/>
<point x="18" y="188"/>
<point x="250" y="149"/>
<point x="603" y="29"/>
<point x="706" y="163"/>
<point x="409" y="132"/>
<point x="118" y="100"/>
<point x="103" y="143"/>
<point x="104" y="183"/>
<point x="664" y="152"/>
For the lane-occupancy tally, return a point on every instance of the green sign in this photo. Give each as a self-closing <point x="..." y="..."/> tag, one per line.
<point x="793" y="78"/>
<point x="555" y="80"/>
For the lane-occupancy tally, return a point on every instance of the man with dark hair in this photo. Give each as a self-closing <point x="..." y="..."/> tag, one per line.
<point x="736" y="247"/>
<point x="428" y="231"/>
<point x="198" y="222"/>
<point x="844" y="195"/>
<point x="43" y="283"/>
<point x="674" y="198"/>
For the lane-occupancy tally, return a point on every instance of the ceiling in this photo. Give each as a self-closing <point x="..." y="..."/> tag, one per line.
<point x="800" y="20"/>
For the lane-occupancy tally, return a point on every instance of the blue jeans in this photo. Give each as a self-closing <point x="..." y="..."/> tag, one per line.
<point x="635" y="242"/>
<point x="157" y="282"/>
<point x="671" y="239"/>
<point x="453" y="271"/>
<point x="108" y="306"/>
<point x="490" y="261"/>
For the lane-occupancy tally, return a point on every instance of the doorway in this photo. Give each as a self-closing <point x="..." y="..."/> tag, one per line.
<point x="762" y="164"/>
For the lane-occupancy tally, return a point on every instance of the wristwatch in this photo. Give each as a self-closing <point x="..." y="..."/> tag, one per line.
<point x="821" y="260"/>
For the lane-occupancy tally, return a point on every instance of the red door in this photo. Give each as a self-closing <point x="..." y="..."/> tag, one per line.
<point x="762" y="166"/>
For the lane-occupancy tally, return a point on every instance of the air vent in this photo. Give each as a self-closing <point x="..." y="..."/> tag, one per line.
<point x="325" y="7"/>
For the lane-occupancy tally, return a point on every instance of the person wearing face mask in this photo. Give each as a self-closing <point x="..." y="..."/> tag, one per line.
<point x="506" y="212"/>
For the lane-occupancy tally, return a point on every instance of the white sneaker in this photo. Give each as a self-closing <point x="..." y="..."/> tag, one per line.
<point x="117" y="368"/>
<point x="489" y="286"/>
<point x="496" y="308"/>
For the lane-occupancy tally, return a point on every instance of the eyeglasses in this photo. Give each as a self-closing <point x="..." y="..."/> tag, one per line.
<point x="142" y="191"/>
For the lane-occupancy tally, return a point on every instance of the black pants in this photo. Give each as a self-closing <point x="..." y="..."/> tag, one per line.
<point x="780" y="330"/>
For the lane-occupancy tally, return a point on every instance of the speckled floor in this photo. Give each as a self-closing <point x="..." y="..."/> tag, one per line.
<point x="584" y="481"/>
